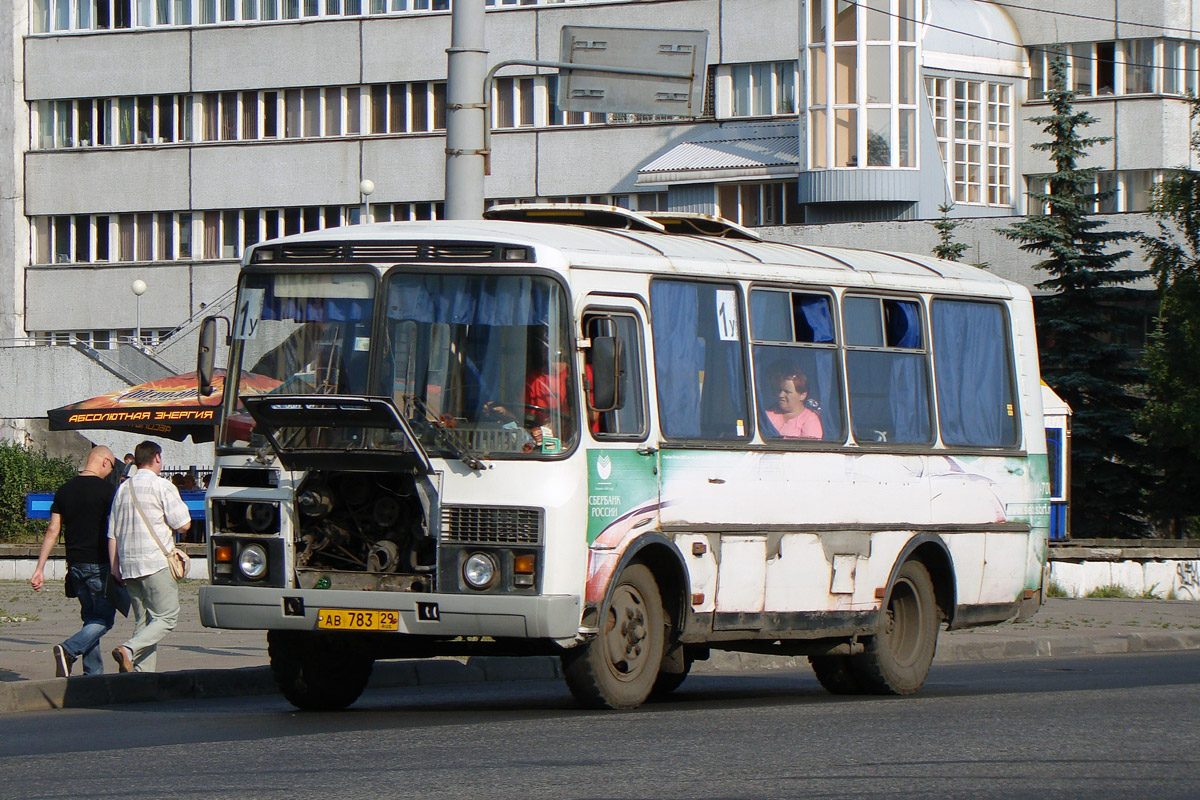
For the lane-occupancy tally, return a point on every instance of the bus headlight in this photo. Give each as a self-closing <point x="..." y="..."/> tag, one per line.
<point x="253" y="561"/>
<point x="479" y="570"/>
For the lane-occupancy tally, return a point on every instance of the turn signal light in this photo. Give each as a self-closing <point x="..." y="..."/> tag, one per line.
<point x="223" y="552"/>
<point x="523" y="565"/>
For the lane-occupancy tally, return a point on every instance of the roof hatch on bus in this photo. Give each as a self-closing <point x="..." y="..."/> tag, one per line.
<point x="338" y="432"/>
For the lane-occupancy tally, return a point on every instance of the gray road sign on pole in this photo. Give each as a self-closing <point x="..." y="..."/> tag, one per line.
<point x="681" y="53"/>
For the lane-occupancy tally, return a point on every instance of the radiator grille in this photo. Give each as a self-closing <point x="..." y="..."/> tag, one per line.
<point x="491" y="525"/>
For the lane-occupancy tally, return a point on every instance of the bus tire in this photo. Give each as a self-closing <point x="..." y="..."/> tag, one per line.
<point x="897" y="658"/>
<point x="836" y="674"/>
<point x="318" y="672"/>
<point x="618" y="667"/>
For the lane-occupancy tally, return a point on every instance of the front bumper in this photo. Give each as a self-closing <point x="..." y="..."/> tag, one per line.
<point x="262" y="608"/>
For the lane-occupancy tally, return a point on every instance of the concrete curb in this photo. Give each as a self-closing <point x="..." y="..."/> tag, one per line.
<point x="115" y="689"/>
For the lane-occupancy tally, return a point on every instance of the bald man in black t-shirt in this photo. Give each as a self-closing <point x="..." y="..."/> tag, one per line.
<point x="80" y="512"/>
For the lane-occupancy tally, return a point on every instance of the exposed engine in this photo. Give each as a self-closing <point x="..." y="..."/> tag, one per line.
<point x="372" y="522"/>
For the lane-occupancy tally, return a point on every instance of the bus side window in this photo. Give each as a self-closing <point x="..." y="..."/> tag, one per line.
<point x="976" y="400"/>
<point x="699" y="363"/>
<point x="794" y="346"/>
<point x="887" y="372"/>
<point x="628" y="419"/>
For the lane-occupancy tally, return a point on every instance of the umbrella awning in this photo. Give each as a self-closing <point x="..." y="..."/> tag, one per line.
<point x="169" y="407"/>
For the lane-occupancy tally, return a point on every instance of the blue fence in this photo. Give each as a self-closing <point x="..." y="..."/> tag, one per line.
<point x="37" y="504"/>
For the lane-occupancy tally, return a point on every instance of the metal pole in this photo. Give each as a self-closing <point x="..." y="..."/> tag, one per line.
<point x="465" y="109"/>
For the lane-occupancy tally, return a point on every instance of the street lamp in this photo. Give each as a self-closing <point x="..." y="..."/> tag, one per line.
<point x="138" y="288"/>
<point x="365" y="188"/>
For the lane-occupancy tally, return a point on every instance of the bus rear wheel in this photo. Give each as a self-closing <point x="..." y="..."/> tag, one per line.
<point x="898" y="656"/>
<point x="618" y="668"/>
<point x="318" y="671"/>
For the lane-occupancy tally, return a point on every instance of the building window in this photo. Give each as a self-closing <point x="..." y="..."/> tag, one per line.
<point x="512" y="102"/>
<point x="169" y="236"/>
<point x="102" y="340"/>
<point x="757" y="204"/>
<point x="862" y="66"/>
<point x="763" y="89"/>
<point x="1132" y="66"/>
<point x="977" y="154"/>
<point x="1116" y="191"/>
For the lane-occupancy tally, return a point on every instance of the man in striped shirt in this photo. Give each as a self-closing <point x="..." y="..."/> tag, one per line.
<point x="139" y="562"/>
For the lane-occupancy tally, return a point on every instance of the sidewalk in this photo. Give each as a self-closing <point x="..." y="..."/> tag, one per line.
<point x="202" y="662"/>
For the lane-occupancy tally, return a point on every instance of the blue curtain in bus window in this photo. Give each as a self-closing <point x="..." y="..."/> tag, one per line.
<point x="678" y="356"/>
<point x="814" y="319"/>
<point x="470" y="300"/>
<point x="910" y="399"/>
<point x="910" y="390"/>
<point x="702" y="387"/>
<point x="315" y="309"/>
<point x="887" y="387"/>
<point x="973" y="381"/>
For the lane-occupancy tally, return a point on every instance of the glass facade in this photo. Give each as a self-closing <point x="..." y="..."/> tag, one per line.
<point x="862" y="67"/>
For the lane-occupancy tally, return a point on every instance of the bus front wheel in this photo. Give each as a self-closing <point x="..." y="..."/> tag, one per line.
<point x="898" y="656"/>
<point x="318" y="671"/>
<point x="619" y="666"/>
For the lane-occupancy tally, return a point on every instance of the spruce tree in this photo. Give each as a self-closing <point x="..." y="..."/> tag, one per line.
<point x="1083" y="322"/>
<point x="1171" y="418"/>
<point x="946" y="247"/>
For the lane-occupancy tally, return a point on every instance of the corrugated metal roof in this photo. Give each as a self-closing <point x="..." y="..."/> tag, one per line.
<point x="736" y="147"/>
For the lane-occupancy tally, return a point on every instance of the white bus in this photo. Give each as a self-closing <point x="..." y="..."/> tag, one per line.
<point x="624" y="440"/>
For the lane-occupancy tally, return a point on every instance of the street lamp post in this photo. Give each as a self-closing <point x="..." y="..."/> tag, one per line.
<point x="366" y="188"/>
<point x="138" y="288"/>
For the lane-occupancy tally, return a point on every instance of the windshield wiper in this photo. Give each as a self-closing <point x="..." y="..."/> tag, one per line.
<point x="443" y="436"/>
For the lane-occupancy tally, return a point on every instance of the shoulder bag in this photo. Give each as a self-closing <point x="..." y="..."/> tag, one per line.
<point x="177" y="560"/>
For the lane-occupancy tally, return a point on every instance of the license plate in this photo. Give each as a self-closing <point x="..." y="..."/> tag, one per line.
<point x="357" y="619"/>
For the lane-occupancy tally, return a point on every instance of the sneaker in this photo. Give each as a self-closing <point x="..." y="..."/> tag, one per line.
<point x="62" y="662"/>
<point x="123" y="658"/>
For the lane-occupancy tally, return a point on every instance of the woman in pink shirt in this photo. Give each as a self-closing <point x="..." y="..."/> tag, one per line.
<point x="791" y="417"/>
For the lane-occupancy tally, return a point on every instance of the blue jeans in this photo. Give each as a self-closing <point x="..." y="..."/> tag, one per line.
<point x="95" y="611"/>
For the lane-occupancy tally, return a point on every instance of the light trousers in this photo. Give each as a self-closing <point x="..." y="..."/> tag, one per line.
<point x="154" y="606"/>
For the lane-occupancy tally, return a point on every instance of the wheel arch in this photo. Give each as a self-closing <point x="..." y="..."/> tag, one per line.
<point x="931" y="551"/>
<point x="666" y="563"/>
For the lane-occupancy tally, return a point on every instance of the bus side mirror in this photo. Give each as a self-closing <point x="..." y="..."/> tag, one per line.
<point x="607" y="375"/>
<point x="206" y="355"/>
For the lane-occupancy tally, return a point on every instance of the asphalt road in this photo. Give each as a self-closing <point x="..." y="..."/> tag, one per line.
<point x="1123" y="726"/>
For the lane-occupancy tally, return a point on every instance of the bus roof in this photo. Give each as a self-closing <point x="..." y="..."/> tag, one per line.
<point x="585" y="247"/>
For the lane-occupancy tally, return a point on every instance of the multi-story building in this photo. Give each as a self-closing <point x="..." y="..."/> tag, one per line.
<point x="154" y="139"/>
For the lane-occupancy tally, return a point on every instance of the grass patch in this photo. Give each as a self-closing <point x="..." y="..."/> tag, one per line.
<point x="1055" y="589"/>
<point x="1109" y="591"/>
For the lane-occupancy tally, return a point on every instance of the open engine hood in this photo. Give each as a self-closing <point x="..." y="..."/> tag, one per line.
<point x="338" y="432"/>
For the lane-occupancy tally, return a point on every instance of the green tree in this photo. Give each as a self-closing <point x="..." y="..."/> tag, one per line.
<point x="1082" y="324"/>
<point x="946" y="247"/>
<point x="22" y="471"/>
<point x="1171" y="418"/>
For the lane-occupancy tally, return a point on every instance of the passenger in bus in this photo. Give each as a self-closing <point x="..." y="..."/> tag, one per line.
<point x="792" y="417"/>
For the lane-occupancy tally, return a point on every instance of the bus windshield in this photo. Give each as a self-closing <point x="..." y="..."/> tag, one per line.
<point x="300" y="333"/>
<point x="481" y="360"/>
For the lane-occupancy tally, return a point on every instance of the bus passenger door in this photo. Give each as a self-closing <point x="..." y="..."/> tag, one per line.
<point x="622" y="464"/>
